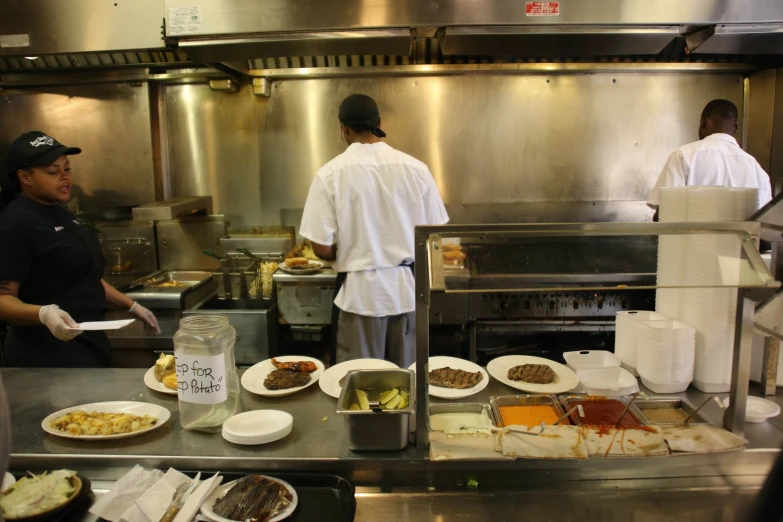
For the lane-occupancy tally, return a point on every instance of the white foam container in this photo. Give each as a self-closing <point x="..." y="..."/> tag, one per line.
<point x="676" y="387"/>
<point x="591" y="360"/>
<point x="258" y="427"/>
<point x="608" y="382"/>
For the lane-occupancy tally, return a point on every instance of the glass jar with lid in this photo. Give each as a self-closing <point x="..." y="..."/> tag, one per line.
<point x="207" y="382"/>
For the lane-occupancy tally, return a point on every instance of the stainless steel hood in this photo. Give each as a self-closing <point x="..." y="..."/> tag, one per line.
<point x="394" y="42"/>
<point x="556" y="41"/>
<point x="743" y="39"/>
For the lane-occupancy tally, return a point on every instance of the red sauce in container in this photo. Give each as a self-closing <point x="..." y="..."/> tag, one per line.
<point x="603" y="411"/>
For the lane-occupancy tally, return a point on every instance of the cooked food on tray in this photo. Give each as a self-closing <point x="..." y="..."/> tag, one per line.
<point x="529" y="415"/>
<point x="453" y="258"/>
<point x="170" y="381"/>
<point x="165" y="365"/>
<point x="452" y="378"/>
<point x="603" y="412"/>
<point x="451" y="247"/>
<point x="534" y="373"/>
<point x="37" y="494"/>
<point x="394" y="399"/>
<point x="285" y="379"/>
<point x="666" y="415"/>
<point x="168" y="284"/>
<point x="98" y="423"/>
<point x="295" y="366"/>
<point x="297" y="262"/>
<point x="253" y="498"/>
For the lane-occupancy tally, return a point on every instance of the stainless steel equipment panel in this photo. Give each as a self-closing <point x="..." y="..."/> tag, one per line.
<point x="181" y="241"/>
<point x="255" y="322"/>
<point x="184" y="290"/>
<point x="260" y="241"/>
<point x="305" y="299"/>
<point x="174" y="208"/>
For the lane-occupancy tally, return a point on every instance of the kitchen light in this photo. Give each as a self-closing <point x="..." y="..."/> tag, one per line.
<point x="31" y="57"/>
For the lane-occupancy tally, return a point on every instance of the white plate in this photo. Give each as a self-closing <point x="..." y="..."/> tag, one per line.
<point x="8" y="481"/>
<point x="455" y="364"/>
<point x="313" y="268"/>
<point x="206" y="507"/>
<point x="253" y="378"/>
<point x="330" y="380"/>
<point x="153" y="384"/>
<point x="758" y="409"/>
<point x="566" y="379"/>
<point x="258" y="427"/>
<point x="132" y="407"/>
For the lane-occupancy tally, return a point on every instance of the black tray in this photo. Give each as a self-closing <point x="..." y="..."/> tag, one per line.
<point x="325" y="498"/>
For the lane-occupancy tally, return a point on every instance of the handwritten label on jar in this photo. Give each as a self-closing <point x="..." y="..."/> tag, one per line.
<point x="202" y="379"/>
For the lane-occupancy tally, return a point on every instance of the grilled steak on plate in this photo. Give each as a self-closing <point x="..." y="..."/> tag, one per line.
<point x="533" y="373"/>
<point x="253" y="498"/>
<point x="460" y="379"/>
<point x="284" y="379"/>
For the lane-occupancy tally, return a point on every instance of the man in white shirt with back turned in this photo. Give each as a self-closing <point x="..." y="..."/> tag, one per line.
<point x="360" y="212"/>
<point x="716" y="159"/>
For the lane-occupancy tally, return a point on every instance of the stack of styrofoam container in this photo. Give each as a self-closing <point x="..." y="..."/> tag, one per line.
<point x="710" y="271"/>
<point x="666" y="354"/>
<point x="626" y="335"/>
<point x="671" y="252"/>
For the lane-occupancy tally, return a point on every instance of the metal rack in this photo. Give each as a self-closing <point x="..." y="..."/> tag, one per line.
<point x="754" y="284"/>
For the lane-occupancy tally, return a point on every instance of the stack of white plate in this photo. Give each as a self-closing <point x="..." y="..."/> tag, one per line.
<point x="707" y="263"/>
<point x="665" y="356"/>
<point x="671" y="252"/>
<point x="626" y="335"/>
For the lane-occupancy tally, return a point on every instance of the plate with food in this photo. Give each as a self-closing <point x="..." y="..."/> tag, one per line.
<point x="281" y="376"/>
<point x="452" y="378"/>
<point x="300" y="266"/>
<point x="163" y="376"/>
<point x="254" y="497"/>
<point x="106" y="420"/>
<point x="533" y="374"/>
<point x="331" y="382"/>
<point x="42" y="497"/>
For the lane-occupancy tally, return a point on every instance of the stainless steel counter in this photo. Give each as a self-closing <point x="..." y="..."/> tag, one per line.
<point x="316" y="443"/>
<point x="393" y="486"/>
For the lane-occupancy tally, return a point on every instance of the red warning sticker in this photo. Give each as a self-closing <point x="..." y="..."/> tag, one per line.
<point x="542" y="8"/>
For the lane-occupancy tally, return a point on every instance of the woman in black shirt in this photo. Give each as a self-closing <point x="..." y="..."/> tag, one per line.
<point x="51" y="267"/>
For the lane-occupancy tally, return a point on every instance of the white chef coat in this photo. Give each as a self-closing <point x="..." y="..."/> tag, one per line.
<point x="367" y="200"/>
<point x="716" y="160"/>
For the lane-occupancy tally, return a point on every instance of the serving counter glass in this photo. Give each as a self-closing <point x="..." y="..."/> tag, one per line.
<point x="510" y="260"/>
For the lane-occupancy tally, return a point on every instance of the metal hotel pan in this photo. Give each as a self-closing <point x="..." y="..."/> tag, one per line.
<point x="384" y="430"/>
<point x="568" y="401"/>
<point x="463" y="407"/>
<point x="529" y="399"/>
<point x="670" y="402"/>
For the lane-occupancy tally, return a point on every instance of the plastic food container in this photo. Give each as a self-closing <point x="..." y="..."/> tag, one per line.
<point x="591" y="360"/>
<point x="657" y="403"/>
<point x="382" y="430"/>
<point x="533" y="399"/>
<point x="258" y="427"/>
<point x="758" y="409"/>
<point x="608" y="382"/>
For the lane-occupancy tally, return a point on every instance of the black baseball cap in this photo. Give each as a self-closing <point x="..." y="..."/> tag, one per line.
<point x="35" y="149"/>
<point x="360" y="112"/>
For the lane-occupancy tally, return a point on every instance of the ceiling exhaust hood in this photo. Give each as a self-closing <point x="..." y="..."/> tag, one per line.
<point x="741" y="39"/>
<point x="242" y="47"/>
<point x="559" y="41"/>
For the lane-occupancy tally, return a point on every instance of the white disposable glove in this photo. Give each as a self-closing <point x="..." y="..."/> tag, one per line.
<point x="146" y="317"/>
<point x="59" y="322"/>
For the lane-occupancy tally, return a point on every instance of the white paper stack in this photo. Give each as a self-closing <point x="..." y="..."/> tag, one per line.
<point x="626" y="335"/>
<point x="666" y="354"/>
<point x="710" y="266"/>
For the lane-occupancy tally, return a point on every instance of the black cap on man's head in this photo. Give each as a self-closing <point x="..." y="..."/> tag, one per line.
<point x="35" y="149"/>
<point x="360" y="113"/>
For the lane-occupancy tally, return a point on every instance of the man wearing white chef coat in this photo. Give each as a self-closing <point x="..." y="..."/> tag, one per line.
<point x="360" y="212"/>
<point x="716" y="159"/>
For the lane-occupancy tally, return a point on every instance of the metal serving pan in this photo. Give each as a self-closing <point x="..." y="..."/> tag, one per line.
<point x="528" y="399"/>
<point x="567" y="402"/>
<point x="463" y="407"/>
<point x="384" y="430"/>
<point x="670" y="402"/>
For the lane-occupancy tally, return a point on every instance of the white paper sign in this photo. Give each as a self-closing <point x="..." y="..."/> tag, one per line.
<point x="202" y="379"/>
<point x="104" y="325"/>
<point x="184" y="20"/>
